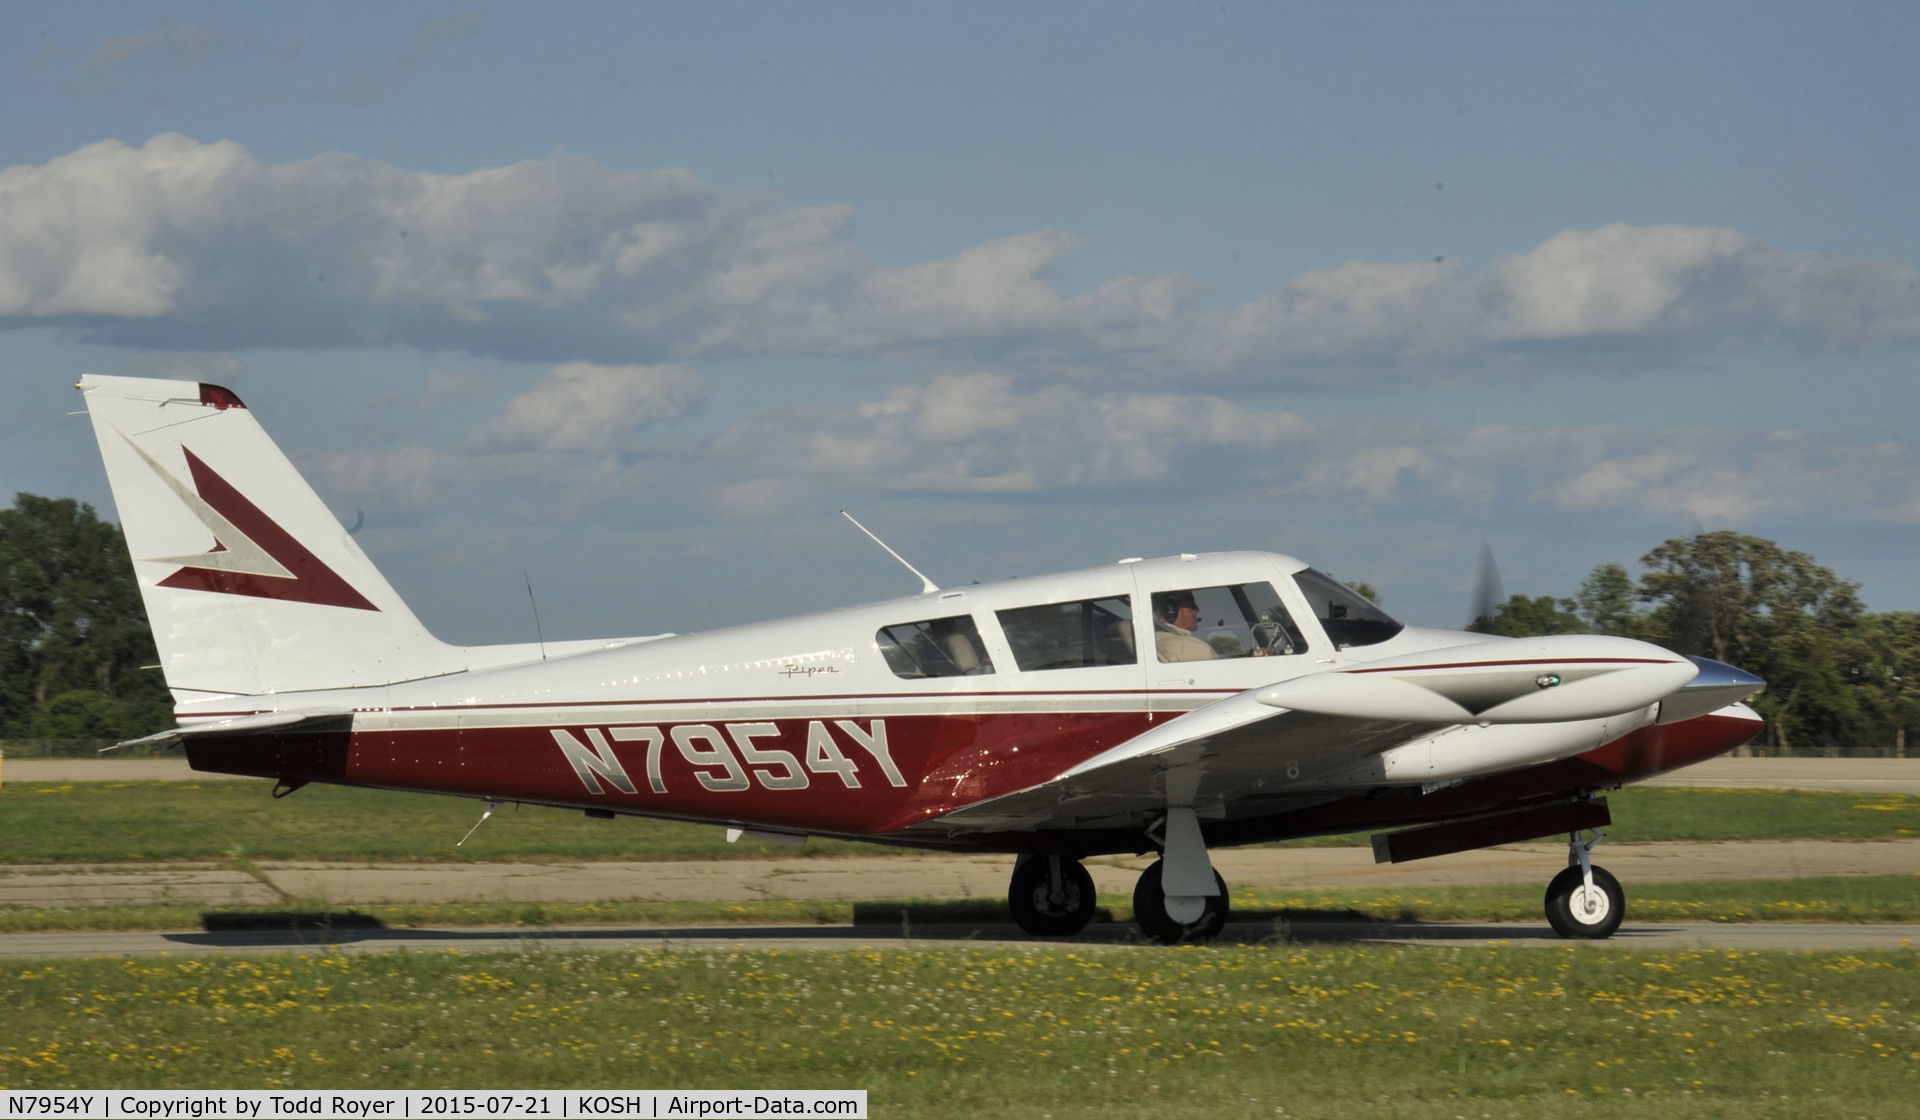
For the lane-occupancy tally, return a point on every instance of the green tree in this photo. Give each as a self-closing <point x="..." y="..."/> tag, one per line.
<point x="1606" y="601"/>
<point x="73" y="633"/>
<point x="1884" y="666"/>
<point x="1746" y="601"/>
<point x="1522" y="616"/>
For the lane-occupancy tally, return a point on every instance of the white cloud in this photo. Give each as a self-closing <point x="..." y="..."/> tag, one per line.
<point x="983" y="434"/>
<point x="1715" y="476"/>
<point x="979" y="475"/>
<point x="178" y="241"/>
<point x="595" y="409"/>
<point x="1619" y="297"/>
<point x="986" y="438"/>
<point x="184" y="245"/>
<point x="413" y="476"/>
<point x="998" y="294"/>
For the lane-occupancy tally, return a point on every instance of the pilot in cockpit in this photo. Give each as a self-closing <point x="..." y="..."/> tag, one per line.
<point x="1175" y="618"/>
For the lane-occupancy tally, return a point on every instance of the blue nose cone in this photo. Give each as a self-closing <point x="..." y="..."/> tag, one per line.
<point x="1720" y="675"/>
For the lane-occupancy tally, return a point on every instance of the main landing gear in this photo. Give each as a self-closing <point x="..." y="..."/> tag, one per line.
<point x="1179" y="898"/>
<point x="1051" y="896"/>
<point x="1584" y="901"/>
<point x="1166" y="920"/>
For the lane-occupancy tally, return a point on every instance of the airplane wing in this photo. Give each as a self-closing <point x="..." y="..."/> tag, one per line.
<point x="1331" y="734"/>
<point x="1232" y="758"/>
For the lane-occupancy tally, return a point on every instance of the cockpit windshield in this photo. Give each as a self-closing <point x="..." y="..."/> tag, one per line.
<point x="1348" y="618"/>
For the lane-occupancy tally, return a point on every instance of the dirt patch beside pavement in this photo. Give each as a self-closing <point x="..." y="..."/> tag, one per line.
<point x="1854" y="775"/>
<point x="108" y="769"/>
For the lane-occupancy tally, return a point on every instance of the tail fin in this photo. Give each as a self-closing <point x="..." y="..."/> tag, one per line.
<point x="252" y="586"/>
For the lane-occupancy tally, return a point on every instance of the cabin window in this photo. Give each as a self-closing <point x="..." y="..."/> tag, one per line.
<point x="1347" y="617"/>
<point x="1221" y="623"/>
<point x="1071" y="635"/>
<point x="938" y="647"/>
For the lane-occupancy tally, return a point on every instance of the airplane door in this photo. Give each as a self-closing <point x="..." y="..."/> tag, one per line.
<point x="1206" y="634"/>
<point x="1169" y="684"/>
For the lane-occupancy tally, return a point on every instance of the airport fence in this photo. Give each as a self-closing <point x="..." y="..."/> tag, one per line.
<point x="79" y="748"/>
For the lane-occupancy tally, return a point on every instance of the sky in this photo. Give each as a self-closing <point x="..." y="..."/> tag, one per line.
<point x="627" y="301"/>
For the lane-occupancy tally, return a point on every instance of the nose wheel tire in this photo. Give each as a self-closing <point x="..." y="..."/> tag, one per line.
<point x="1150" y="911"/>
<point x="1048" y="906"/>
<point x="1574" y="911"/>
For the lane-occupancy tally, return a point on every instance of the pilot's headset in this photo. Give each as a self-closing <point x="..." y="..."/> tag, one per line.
<point x="1167" y="604"/>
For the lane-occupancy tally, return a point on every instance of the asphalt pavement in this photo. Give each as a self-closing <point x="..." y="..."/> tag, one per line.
<point x="908" y="875"/>
<point x="1668" y="936"/>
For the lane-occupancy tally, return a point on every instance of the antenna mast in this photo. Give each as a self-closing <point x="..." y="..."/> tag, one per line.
<point x="536" y="633"/>
<point x="926" y="585"/>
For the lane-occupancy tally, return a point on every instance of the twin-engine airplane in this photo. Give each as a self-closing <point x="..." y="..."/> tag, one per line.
<point x="1169" y="705"/>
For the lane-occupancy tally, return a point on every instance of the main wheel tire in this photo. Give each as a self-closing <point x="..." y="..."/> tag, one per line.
<point x="1574" y="912"/>
<point x="1037" y="908"/>
<point x="1150" y="911"/>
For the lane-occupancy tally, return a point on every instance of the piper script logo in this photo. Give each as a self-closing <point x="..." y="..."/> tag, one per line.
<point x="251" y="554"/>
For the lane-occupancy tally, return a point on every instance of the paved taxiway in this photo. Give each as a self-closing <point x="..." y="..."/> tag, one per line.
<point x="947" y="876"/>
<point x="1777" y="936"/>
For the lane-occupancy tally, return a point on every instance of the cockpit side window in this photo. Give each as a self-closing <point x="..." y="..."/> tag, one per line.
<point x="1221" y="623"/>
<point x="1071" y="635"/>
<point x="1348" y="618"/>
<point x="938" y="647"/>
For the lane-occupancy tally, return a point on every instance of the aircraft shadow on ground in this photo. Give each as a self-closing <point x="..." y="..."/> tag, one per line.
<point x="932" y="923"/>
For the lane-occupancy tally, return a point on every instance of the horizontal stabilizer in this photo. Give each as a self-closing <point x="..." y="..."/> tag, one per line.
<point x="309" y="718"/>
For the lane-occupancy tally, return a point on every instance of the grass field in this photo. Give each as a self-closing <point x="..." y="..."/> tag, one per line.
<point x="102" y="822"/>
<point x="1863" y="898"/>
<point x="1047" y="1032"/>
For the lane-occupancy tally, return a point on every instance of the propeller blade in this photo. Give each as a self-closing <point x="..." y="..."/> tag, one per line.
<point x="1487" y="593"/>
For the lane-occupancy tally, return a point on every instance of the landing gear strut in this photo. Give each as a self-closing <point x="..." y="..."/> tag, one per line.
<point x="1051" y="896"/>
<point x="1584" y="901"/>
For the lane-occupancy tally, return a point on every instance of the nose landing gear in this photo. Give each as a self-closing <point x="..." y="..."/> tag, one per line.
<point x="1584" y="901"/>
